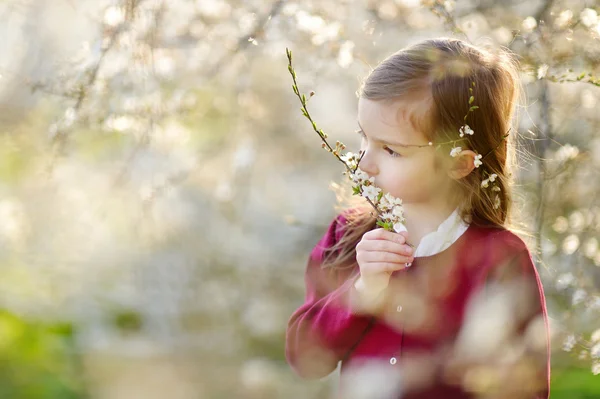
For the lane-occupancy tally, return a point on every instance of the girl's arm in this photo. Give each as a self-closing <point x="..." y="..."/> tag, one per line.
<point x="325" y="328"/>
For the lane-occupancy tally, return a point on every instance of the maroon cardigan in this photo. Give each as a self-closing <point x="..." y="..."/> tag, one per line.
<point x="423" y="312"/>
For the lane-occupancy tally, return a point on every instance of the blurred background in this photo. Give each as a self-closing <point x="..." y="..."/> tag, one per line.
<point x="160" y="189"/>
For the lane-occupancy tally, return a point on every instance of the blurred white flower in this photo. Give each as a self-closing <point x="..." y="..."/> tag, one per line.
<point x="595" y="351"/>
<point x="570" y="244"/>
<point x="565" y="280"/>
<point x="578" y="296"/>
<point x="371" y="379"/>
<point x="13" y="220"/>
<point x="569" y="343"/>
<point x="449" y="5"/>
<point x="497" y="202"/>
<point x="308" y="23"/>
<point x="542" y="70"/>
<point x="477" y="161"/>
<point x="576" y="221"/>
<point x="258" y="375"/>
<point x="596" y="368"/>
<point x="595" y="336"/>
<point x="529" y="24"/>
<point x="590" y="247"/>
<point x="564" y="18"/>
<point x="114" y="16"/>
<point x="217" y="9"/>
<point x="567" y="152"/>
<point x="589" y="17"/>
<point x="345" y="56"/>
<point x="561" y="224"/>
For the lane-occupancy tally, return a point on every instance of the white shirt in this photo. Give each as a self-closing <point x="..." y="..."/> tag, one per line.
<point x="432" y="243"/>
<point x="446" y="234"/>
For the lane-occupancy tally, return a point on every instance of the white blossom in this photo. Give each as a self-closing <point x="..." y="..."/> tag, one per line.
<point x="351" y="159"/>
<point x="589" y="17"/>
<point x="595" y="351"/>
<point x="398" y="212"/>
<point x="493" y="177"/>
<point x="399" y="227"/>
<point x="596" y="368"/>
<point x="485" y="183"/>
<point x="578" y="296"/>
<point x="529" y="24"/>
<point x="595" y="337"/>
<point x="564" y="281"/>
<point x="497" y="202"/>
<point x="477" y="160"/>
<point x="569" y="343"/>
<point x="359" y="177"/>
<point x="370" y="192"/>
<point x="387" y="216"/>
<point x="542" y="70"/>
<point x="455" y="151"/>
<point x="466" y="130"/>
<point x="388" y="201"/>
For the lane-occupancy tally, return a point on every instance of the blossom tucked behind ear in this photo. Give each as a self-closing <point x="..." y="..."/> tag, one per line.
<point x="477" y="160"/>
<point x="466" y="130"/>
<point x="455" y="151"/>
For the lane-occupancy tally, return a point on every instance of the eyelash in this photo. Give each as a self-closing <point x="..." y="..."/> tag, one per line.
<point x="391" y="152"/>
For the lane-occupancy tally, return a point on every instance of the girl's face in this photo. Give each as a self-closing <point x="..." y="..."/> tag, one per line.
<point x="388" y="139"/>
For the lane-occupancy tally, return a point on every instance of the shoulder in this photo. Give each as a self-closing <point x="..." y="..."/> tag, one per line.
<point x="505" y="254"/>
<point x="498" y="239"/>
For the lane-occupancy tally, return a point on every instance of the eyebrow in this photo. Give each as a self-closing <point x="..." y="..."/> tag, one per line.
<point x="394" y="144"/>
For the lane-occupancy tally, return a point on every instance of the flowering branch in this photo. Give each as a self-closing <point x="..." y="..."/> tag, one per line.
<point x="390" y="213"/>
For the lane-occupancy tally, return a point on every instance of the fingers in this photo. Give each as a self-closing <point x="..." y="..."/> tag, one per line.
<point x="384" y="267"/>
<point x="384" y="246"/>
<point x="379" y="256"/>
<point x="382" y="234"/>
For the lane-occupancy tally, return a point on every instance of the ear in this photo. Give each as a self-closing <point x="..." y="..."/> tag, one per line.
<point x="463" y="164"/>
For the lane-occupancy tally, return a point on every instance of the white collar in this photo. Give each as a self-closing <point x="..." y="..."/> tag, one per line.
<point x="447" y="233"/>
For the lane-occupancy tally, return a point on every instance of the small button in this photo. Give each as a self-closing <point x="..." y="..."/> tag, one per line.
<point x="399" y="308"/>
<point x="393" y="361"/>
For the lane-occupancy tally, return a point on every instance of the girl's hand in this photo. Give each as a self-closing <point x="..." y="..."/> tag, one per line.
<point x="378" y="254"/>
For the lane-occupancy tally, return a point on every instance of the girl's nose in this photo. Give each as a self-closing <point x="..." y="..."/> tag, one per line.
<point x="368" y="165"/>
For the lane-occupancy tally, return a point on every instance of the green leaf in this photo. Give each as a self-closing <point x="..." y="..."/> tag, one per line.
<point x="474" y="107"/>
<point x="379" y="196"/>
<point x="314" y="125"/>
<point x="303" y="99"/>
<point x="355" y="190"/>
<point x="471" y="99"/>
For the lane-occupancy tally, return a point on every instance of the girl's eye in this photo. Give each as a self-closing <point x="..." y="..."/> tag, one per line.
<point x="393" y="153"/>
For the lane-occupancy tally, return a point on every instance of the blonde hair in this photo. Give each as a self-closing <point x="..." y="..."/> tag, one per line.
<point x="445" y="68"/>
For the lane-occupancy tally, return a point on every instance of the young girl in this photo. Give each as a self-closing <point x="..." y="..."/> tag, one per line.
<point x="452" y="308"/>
